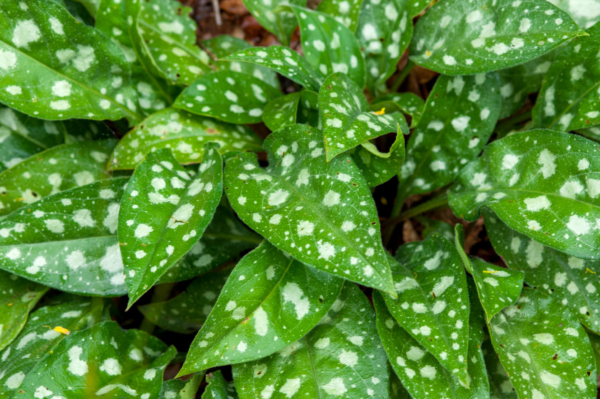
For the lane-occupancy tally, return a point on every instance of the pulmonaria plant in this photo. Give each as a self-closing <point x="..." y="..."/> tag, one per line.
<point x="179" y="179"/>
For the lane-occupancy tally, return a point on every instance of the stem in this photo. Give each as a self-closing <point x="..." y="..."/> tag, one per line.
<point x="409" y="67"/>
<point x="217" y="12"/>
<point x="160" y="295"/>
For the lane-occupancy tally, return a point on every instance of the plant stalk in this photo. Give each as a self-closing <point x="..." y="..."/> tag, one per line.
<point x="409" y="67"/>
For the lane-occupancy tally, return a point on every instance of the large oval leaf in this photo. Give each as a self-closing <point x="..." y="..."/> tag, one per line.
<point x="458" y="38"/>
<point x="321" y="213"/>
<point x="268" y="301"/>
<point x="541" y="183"/>
<point x="85" y="74"/>
<point x="341" y="357"/>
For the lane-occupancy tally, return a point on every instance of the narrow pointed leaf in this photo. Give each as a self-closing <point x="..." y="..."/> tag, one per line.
<point x="269" y="301"/>
<point x="17" y="298"/>
<point x="281" y="23"/>
<point x="378" y="168"/>
<point x="569" y="97"/>
<point x="321" y="213"/>
<point x="433" y="302"/>
<point x="542" y="184"/>
<point x="230" y="96"/>
<point x="585" y="13"/>
<point x="345" y="12"/>
<point x="39" y="338"/>
<point x="573" y="281"/>
<point x="457" y="122"/>
<point x="457" y="38"/>
<point x="341" y="357"/>
<point x="284" y="61"/>
<point x="68" y="240"/>
<point x="409" y="103"/>
<point x="218" y="388"/>
<point x="80" y="70"/>
<point x="282" y="111"/>
<point x="329" y="45"/>
<point x="185" y="134"/>
<point x="544" y="349"/>
<point x="52" y="171"/>
<point x="346" y="118"/>
<point x="162" y="211"/>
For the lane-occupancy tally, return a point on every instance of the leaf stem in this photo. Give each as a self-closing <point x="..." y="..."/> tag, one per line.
<point x="409" y="67"/>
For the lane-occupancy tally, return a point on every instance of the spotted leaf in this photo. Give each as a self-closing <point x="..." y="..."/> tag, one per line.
<point x="500" y="385"/>
<point x="457" y="122"/>
<point x="377" y="167"/>
<point x="218" y="388"/>
<point x="545" y="359"/>
<point x="230" y="96"/>
<point x="542" y="184"/>
<point x="397" y="390"/>
<point x="68" y="240"/>
<point x="100" y="360"/>
<point x="77" y="63"/>
<point x="269" y="301"/>
<point x="346" y="117"/>
<point x="569" y="98"/>
<point x="284" y="61"/>
<point x="52" y="171"/>
<point x="416" y="7"/>
<point x="340" y="357"/>
<point x="586" y="13"/>
<point x="188" y="311"/>
<point x="329" y="45"/>
<point x="321" y="213"/>
<point x="281" y="23"/>
<point x="434" y="315"/>
<point x="39" y="338"/>
<point x="384" y="32"/>
<point x="282" y="111"/>
<point x="409" y="103"/>
<point x="573" y="281"/>
<point x="17" y="298"/>
<point x="185" y="134"/>
<point x="345" y="12"/>
<point x="178" y="389"/>
<point x="164" y="209"/>
<point x="420" y="372"/>
<point x="458" y="38"/>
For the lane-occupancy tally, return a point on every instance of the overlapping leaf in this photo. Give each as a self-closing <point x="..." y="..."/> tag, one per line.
<point x="39" y="338"/>
<point x="341" y="357"/>
<point x="544" y="349"/>
<point x="500" y="385"/>
<point x="464" y="38"/>
<point x="269" y="301"/>
<point x="573" y="281"/>
<point x="280" y="23"/>
<point x="185" y="134"/>
<point x="162" y="211"/>
<point x="321" y="213"/>
<point x="218" y="388"/>
<point x="569" y="99"/>
<point x="377" y="167"/>
<point x="345" y="12"/>
<point x="434" y="314"/>
<point x="178" y="389"/>
<point x="17" y="298"/>
<point x="85" y="75"/>
<point x="409" y="103"/>
<point x="52" y="171"/>
<point x="541" y="183"/>
<point x="68" y="240"/>
<point x="346" y="118"/>
<point x="586" y="13"/>
<point x="233" y="97"/>
<point x="281" y="112"/>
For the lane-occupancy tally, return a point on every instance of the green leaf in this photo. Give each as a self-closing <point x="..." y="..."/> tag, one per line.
<point x="585" y="13"/>
<point x="52" y="171"/>
<point x="592" y="133"/>
<point x="340" y="357"/>
<point x="17" y="298"/>
<point x="68" y="240"/>
<point x="282" y="111"/>
<point x="269" y="301"/>
<point x="569" y="99"/>
<point x="223" y="240"/>
<point x="345" y="12"/>
<point x="230" y="96"/>
<point x="185" y="134"/>
<point x="91" y="6"/>
<point x="416" y="7"/>
<point x="458" y="38"/>
<point x="573" y="281"/>
<point x="409" y="103"/>
<point x="346" y="117"/>
<point x="384" y="32"/>
<point x="397" y="390"/>
<point x="595" y="341"/>
<point x="164" y="209"/>
<point x="101" y="359"/>
<point x="437" y="226"/>
<point x="281" y="23"/>
<point x="544" y="349"/>
<point x="542" y="184"/>
<point x="39" y="339"/>
<point x="435" y="316"/>
<point x="284" y="61"/>
<point x="85" y="74"/>
<point x="178" y="389"/>
<point x="420" y="372"/>
<point x="329" y="45"/>
<point x="187" y="312"/>
<point x="500" y="385"/>
<point x="321" y="213"/>
<point x="457" y="122"/>
<point x="218" y="388"/>
<point x="377" y="168"/>
<point x="169" y="39"/>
